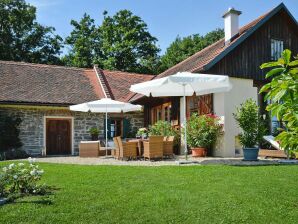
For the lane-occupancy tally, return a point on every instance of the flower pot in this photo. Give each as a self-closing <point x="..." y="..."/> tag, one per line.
<point x="94" y="137"/>
<point x="198" y="152"/>
<point x="250" y="154"/>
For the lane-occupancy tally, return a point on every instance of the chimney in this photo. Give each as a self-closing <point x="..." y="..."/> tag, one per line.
<point x="231" y="18"/>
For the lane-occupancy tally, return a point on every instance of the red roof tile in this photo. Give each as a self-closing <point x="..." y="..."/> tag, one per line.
<point x="47" y="84"/>
<point x="119" y="82"/>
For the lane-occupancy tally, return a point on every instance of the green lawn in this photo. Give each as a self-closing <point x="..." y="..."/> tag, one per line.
<point x="197" y="194"/>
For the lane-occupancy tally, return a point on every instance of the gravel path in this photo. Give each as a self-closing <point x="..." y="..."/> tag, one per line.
<point x="178" y="160"/>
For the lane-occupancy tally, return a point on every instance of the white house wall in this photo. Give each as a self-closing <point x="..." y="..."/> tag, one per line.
<point x="225" y="105"/>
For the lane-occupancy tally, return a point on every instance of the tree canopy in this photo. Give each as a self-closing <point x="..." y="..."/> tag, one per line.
<point x="121" y="42"/>
<point x="83" y="42"/>
<point x="22" y="38"/>
<point x="182" y="48"/>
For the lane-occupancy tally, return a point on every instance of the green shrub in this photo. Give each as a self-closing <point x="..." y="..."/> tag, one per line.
<point x="250" y="121"/>
<point x="282" y="92"/>
<point x="21" y="179"/>
<point x="203" y="130"/>
<point x="9" y="133"/>
<point x="164" y="128"/>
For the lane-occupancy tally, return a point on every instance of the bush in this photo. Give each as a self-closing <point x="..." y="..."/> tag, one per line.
<point x="203" y="130"/>
<point x="9" y="133"/>
<point x="21" y="179"/>
<point x="283" y="95"/>
<point x="249" y="120"/>
<point x="13" y="154"/>
<point x="164" y="128"/>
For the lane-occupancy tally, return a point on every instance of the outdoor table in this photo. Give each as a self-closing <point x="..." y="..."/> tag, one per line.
<point x="140" y="150"/>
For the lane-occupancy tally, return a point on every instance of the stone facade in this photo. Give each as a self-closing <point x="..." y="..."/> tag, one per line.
<point x="32" y="127"/>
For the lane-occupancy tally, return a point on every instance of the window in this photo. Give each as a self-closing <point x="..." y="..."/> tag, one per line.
<point x="161" y="112"/>
<point x="277" y="47"/>
<point x="200" y="104"/>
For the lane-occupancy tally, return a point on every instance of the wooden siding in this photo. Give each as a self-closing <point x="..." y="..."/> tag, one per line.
<point x="245" y="60"/>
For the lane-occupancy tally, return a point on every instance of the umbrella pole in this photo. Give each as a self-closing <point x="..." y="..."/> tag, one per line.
<point x="106" y="131"/>
<point x="185" y="139"/>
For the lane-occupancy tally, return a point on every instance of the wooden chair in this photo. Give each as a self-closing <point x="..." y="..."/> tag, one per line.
<point x="127" y="149"/>
<point x="116" y="152"/>
<point x="154" y="147"/>
<point x="168" y="146"/>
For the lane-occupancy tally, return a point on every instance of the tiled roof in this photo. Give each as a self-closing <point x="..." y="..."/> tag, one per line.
<point x="203" y="58"/>
<point x="118" y="83"/>
<point x="196" y="62"/>
<point x="47" y="84"/>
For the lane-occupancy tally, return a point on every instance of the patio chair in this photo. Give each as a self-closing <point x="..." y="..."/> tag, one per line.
<point x="127" y="149"/>
<point x="115" y="153"/>
<point x="168" y="146"/>
<point x="154" y="147"/>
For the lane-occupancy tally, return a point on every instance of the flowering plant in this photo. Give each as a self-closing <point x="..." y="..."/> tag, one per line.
<point x="203" y="130"/>
<point x="142" y="131"/>
<point x="21" y="178"/>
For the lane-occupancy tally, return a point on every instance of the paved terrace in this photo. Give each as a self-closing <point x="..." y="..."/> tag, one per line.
<point x="178" y="160"/>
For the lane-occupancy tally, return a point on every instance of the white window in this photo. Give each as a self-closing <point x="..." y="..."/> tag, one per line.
<point x="277" y="47"/>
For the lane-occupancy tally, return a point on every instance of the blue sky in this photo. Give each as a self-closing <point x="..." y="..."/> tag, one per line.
<point x="165" y="18"/>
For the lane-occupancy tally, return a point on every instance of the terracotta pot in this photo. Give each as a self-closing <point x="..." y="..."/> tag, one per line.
<point x="198" y="152"/>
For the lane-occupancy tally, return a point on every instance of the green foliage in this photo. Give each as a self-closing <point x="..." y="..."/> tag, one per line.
<point x="22" y="38"/>
<point x="121" y="42"/>
<point x="83" y="42"/>
<point x="164" y="128"/>
<point x="249" y="120"/>
<point x="142" y="132"/>
<point x="9" y="133"/>
<point x="94" y="131"/>
<point x="21" y="179"/>
<point x="182" y="48"/>
<point x="202" y="130"/>
<point x="282" y="92"/>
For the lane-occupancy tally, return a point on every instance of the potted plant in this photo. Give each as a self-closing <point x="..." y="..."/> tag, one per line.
<point x="94" y="132"/>
<point x="142" y="132"/>
<point x="202" y="132"/>
<point x="249" y="120"/>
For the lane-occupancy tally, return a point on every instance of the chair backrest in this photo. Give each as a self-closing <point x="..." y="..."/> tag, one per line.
<point x="156" y="139"/>
<point x="120" y="144"/>
<point x="165" y="138"/>
<point x="116" y="143"/>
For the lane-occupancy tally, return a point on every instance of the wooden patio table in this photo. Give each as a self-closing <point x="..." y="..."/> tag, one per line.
<point x="140" y="149"/>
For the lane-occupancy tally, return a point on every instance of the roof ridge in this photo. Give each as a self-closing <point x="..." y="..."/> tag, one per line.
<point x="21" y="63"/>
<point x="190" y="57"/>
<point x="134" y="73"/>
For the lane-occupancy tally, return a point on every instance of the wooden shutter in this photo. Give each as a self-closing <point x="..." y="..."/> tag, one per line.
<point x="126" y="127"/>
<point x="205" y="104"/>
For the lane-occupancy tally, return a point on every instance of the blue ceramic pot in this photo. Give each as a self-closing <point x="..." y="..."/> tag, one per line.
<point x="250" y="154"/>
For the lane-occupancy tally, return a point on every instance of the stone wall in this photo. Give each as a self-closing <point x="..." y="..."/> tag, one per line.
<point x="33" y="124"/>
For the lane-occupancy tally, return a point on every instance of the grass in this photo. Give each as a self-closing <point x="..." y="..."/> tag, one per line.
<point x="196" y="194"/>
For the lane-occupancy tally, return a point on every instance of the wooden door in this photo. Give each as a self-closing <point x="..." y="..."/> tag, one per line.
<point x="58" y="136"/>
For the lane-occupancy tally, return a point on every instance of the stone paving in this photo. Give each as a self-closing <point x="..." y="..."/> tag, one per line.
<point x="178" y="160"/>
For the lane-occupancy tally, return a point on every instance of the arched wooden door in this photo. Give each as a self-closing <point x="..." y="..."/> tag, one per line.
<point x="58" y="136"/>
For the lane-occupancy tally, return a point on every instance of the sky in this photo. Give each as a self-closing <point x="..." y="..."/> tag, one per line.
<point x="166" y="19"/>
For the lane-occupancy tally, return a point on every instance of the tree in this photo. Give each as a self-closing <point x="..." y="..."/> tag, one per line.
<point x="22" y="38"/>
<point x="282" y="92"/>
<point x="126" y="44"/>
<point x="83" y="42"/>
<point x="182" y="48"/>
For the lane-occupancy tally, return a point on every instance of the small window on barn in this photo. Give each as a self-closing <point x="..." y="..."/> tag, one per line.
<point x="277" y="47"/>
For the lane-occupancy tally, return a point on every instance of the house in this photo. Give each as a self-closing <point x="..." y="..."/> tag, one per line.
<point x="41" y="95"/>
<point x="238" y="55"/>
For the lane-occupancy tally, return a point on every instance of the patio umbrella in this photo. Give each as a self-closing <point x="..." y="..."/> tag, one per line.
<point x="183" y="84"/>
<point x="106" y="105"/>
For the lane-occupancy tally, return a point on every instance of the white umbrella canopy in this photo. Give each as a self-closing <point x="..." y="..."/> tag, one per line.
<point x="184" y="84"/>
<point x="105" y="105"/>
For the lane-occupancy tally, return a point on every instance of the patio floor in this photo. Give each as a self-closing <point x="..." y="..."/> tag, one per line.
<point x="166" y="162"/>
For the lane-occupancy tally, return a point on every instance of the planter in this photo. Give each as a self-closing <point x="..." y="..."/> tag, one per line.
<point x="250" y="154"/>
<point x="198" y="152"/>
<point x="94" y="137"/>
